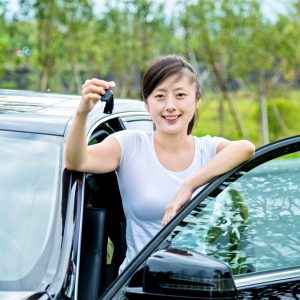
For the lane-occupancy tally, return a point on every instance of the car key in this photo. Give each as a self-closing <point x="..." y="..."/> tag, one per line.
<point x="107" y="96"/>
<point x="107" y="101"/>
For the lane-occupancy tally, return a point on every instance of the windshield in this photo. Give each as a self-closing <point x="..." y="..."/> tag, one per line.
<point x="30" y="169"/>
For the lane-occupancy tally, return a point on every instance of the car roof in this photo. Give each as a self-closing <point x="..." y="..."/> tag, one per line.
<point x="48" y="113"/>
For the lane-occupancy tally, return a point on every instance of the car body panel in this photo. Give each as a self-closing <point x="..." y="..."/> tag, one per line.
<point x="50" y="113"/>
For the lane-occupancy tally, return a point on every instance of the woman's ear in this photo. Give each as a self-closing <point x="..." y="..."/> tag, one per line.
<point x="146" y="106"/>
<point x="198" y="103"/>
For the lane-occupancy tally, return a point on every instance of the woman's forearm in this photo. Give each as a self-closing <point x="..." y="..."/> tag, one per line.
<point x="228" y="158"/>
<point x="75" y="148"/>
<point x="77" y="156"/>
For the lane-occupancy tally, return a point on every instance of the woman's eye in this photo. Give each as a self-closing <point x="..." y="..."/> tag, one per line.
<point x="159" y="97"/>
<point x="181" y="95"/>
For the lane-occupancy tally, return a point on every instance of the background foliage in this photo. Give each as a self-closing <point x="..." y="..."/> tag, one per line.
<point x="247" y="54"/>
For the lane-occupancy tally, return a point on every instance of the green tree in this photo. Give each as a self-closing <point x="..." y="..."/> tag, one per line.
<point x="216" y="34"/>
<point x="272" y="56"/>
<point x="76" y="27"/>
<point x="4" y="37"/>
<point x="242" y="47"/>
<point x="15" y="47"/>
<point x="60" y="32"/>
<point x="135" y="32"/>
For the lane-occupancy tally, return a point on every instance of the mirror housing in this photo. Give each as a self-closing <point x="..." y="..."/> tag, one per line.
<point x="176" y="272"/>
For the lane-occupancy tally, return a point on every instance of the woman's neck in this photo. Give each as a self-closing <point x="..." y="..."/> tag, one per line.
<point x="175" y="152"/>
<point x="172" y="142"/>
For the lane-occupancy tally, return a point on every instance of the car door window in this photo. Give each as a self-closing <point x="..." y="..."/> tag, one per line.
<point x="138" y="123"/>
<point x="253" y="223"/>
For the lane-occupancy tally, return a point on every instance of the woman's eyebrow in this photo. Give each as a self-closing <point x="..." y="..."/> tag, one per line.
<point x="179" y="88"/>
<point x="174" y="89"/>
<point x="160" y="90"/>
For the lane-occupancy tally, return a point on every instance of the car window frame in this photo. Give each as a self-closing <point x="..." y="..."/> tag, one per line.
<point x="93" y="125"/>
<point x="263" y="154"/>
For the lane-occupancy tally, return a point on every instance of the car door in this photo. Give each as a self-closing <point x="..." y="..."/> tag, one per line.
<point x="103" y="244"/>
<point x="252" y="224"/>
<point x="248" y="218"/>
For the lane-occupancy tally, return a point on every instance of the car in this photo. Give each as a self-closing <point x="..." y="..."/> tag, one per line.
<point x="62" y="232"/>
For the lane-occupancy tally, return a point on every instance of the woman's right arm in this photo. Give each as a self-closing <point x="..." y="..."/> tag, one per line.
<point x="99" y="158"/>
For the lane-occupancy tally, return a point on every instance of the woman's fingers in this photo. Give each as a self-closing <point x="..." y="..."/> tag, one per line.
<point x="92" y="90"/>
<point x="99" y="83"/>
<point x="96" y="86"/>
<point x="169" y="214"/>
<point x="111" y="84"/>
<point x="181" y="198"/>
<point x="91" y="97"/>
<point x="96" y="82"/>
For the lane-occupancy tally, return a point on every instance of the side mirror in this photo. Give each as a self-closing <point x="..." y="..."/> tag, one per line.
<point x="179" y="274"/>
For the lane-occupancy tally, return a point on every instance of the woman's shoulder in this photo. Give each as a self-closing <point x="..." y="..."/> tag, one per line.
<point x="207" y="138"/>
<point x="133" y="143"/>
<point x="208" y="142"/>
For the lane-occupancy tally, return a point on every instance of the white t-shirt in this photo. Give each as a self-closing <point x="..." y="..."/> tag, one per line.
<point x="147" y="187"/>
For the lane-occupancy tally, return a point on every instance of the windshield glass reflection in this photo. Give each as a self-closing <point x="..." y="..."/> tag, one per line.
<point x="28" y="192"/>
<point x="253" y="224"/>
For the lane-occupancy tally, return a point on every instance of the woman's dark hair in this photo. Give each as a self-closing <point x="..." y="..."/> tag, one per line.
<point x="165" y="67"/>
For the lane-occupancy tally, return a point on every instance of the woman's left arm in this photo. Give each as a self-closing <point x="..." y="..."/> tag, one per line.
<point x="229" y="155"/>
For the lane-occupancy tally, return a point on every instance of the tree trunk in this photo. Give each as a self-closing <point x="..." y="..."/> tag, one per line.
<point x="76" y="75"/>
<point x="262" y="99"/>
<point x="225" y="91"/>
<point x="221" y="117"/>
<point x="44" y="79"/>
<point x="279" y="119"/>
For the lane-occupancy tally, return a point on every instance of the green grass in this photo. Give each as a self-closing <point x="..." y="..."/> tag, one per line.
<point x="248" y="109"/>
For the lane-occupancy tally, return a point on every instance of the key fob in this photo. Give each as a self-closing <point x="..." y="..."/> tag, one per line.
<point x="108" y="97"/>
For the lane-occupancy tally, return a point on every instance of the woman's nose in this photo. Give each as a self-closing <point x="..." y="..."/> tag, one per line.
<point x="170" y="105"/>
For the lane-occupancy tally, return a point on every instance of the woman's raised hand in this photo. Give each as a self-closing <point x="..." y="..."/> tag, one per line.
<point x="92" y="90"/>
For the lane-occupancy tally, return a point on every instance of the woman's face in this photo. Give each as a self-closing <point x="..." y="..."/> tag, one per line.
<point x="172" y="104"/>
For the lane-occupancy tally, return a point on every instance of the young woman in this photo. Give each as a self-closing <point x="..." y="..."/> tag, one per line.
<point x="158" y="172"/>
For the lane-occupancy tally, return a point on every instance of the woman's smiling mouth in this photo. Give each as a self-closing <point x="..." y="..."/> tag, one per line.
<point x="171" y="118"/>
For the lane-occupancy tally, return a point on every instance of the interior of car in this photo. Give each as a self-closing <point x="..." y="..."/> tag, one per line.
<point x="103" y="244"/>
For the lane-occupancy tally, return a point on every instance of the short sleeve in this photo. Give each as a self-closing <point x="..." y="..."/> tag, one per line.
<point x="209" y="144"/>
<point x="128" y="140"/>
